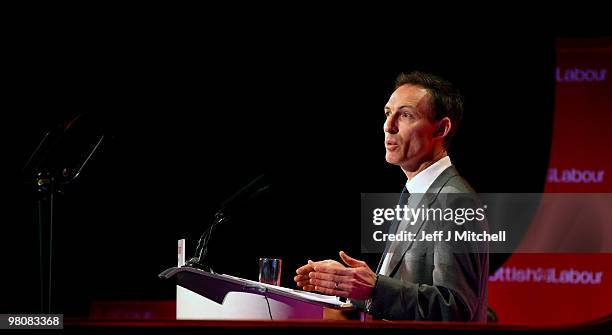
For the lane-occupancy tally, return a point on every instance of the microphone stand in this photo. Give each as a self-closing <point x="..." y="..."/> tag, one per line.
<point x="221" y="216"/>
<point x="47" y="183"/>
<point x="202" y="248"/>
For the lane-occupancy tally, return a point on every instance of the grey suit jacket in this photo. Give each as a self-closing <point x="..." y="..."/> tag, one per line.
<point x="436" y="280"/>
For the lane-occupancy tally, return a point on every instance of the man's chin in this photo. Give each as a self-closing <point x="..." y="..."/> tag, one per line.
<point x="392" y="160"/>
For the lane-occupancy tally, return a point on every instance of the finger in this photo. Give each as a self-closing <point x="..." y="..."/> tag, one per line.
<point x="302" y="283"/>
<point x="333" y="270"/>
<point x="330" y="284"/>
<point x="304" y="269"/>
<point x="327" y="262"/>
<point x="328" y="277"/>
<point x="350" y="261"/>
<point x="300" y="278"/>
<point x="322" y="283"/>
<point x="331" y="291"/>
<point x="309" y="288"/>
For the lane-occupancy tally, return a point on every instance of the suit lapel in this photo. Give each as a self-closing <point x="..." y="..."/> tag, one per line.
<point x="399" y="248"/>
<point x="426" y="199"/>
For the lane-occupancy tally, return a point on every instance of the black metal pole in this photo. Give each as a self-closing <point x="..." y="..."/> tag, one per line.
<point x="40" y="256"/>
<point x="45" y="188"/>
<point x="51" y="197"/>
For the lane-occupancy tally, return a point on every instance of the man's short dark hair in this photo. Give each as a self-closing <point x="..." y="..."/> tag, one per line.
<point x="446" y="101"/>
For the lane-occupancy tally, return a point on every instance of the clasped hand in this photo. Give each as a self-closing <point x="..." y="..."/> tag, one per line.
<point x="355" y="280"/>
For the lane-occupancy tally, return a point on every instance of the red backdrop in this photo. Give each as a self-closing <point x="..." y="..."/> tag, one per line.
<point x="563" y="288"/>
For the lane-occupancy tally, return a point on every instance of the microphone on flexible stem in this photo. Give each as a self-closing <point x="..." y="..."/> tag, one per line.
<point x="239" y="197"/>
<point x="243" y="196"/>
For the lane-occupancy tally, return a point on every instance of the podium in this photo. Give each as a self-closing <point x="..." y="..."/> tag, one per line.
<point x="202" y="295"/>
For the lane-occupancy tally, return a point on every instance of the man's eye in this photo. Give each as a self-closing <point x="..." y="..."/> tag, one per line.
<point x="387" y="114"/>
<point x="407" y="115"/>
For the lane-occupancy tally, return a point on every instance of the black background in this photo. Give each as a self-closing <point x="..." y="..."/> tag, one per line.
<point x="191" y="119"/>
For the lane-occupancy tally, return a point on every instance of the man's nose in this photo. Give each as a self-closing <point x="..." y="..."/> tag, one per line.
<point x="390" y="125"/>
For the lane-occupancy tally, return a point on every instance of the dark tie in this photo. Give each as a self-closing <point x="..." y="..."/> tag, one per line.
<point x="403" y="200"/>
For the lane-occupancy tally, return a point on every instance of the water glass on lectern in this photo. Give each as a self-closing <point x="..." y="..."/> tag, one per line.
<point x="270" y="271"/>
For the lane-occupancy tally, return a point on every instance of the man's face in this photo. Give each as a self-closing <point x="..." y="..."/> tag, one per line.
<point x="408" y="128"/>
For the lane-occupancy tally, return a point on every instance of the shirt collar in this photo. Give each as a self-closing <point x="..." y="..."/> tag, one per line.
<point x="423" y="180"/>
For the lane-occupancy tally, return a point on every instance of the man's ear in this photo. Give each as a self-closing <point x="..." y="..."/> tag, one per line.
<point x="444" y="127"/>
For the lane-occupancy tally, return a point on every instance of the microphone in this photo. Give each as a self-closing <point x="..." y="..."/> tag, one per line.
<point x="244" y="195"/>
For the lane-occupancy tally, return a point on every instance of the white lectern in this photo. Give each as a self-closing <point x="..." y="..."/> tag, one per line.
<point x="202" y="295"/>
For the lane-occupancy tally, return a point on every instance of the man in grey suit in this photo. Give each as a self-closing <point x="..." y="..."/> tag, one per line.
<point x="417" y="280"/>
